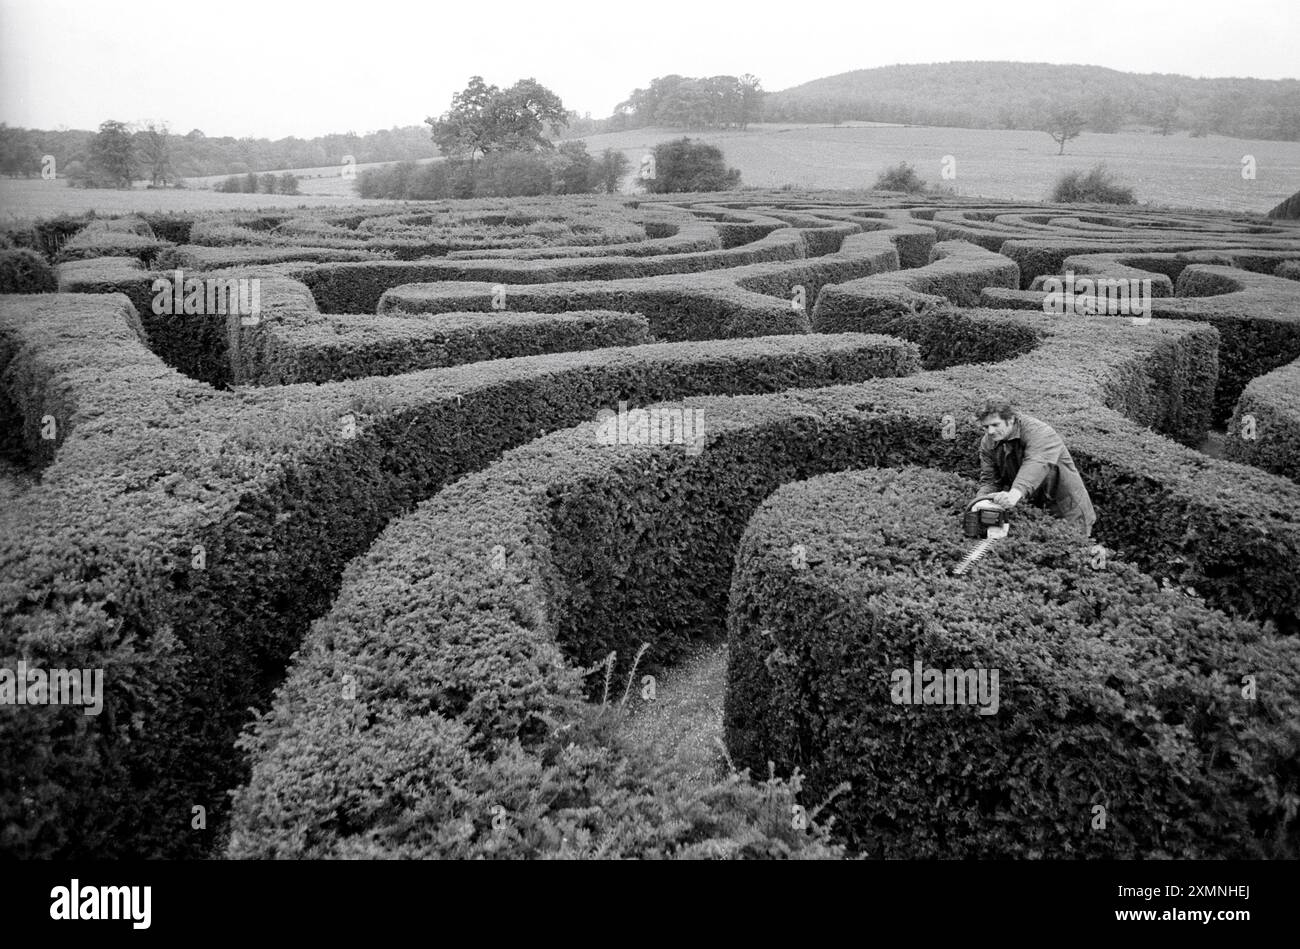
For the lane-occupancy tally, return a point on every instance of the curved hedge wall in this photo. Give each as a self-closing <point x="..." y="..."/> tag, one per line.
<point x="331" y="348"/>
<point x="668" y="523"/>
<point x="277" y="491"/>
<point x="1109" y="692"/>
<point x="1272" y="442"/>
<point x="1257" y="316"/>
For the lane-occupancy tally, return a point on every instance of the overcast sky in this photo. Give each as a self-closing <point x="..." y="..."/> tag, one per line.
<point x="308" y="67"/>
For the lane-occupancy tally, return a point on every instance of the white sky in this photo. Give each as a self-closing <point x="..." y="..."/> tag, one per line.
<point x="274" y="67"/>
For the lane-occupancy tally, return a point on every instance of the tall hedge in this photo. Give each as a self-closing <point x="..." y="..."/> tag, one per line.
<point x="279" y="488"/>
<point x="1173" y="723"/>
<point x="1265" y="426"/>
<point x="591" y="547"/>
<point x="25" y="271"/>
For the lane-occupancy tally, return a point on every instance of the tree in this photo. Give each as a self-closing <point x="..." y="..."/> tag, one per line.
<point x="686" y="165"/>
<point x="610" y="170"/>
<point x="155" y="149"/>
<point x="577" y="175"/>
<point x="1063" y="124"/>
<point x="751" y="99"/>
<point x="523" y="112"/>
<point x="112" y="156"/>
<point x="288" y="183"/>
<point x="483" y="119"/>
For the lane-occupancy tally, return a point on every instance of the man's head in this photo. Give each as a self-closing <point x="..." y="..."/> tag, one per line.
<point x="997" y="417"/>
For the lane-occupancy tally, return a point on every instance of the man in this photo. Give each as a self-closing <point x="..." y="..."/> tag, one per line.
<point x="1023" y="458"/>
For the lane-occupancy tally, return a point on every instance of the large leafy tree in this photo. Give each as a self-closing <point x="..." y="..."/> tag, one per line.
<point x="485" y="119"/>
<point x="112" y="155"/>
<point x="686" y="165"/>
<point x="156" y="153"/>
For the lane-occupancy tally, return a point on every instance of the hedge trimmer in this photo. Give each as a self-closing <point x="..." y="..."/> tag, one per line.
<point x="984" y="520"/>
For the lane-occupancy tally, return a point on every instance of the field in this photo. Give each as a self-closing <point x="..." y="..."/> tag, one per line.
<point x="1177" y="171"/>
<point x="603" y="527"/>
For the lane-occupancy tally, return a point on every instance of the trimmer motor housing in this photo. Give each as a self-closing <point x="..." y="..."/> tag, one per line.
<point x="975" y="524"/>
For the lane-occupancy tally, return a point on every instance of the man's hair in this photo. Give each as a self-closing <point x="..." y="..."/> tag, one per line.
<point x="999" y="407"/>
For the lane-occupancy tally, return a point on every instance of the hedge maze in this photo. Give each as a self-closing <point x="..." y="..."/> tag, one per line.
<point x="352" y="562"/>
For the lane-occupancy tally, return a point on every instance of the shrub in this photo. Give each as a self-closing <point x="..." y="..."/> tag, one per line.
<point x="1095" y="187"/>
<point x="686" y="165"/>
<point x="578" y="174"/>
<point x="25" y="271"/>
<point x="900" y="177"/>
<point x="610" y="169"/>
<point x="508" y="175"/>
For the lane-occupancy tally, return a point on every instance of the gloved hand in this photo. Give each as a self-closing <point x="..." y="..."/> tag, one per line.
<point x="1007" y="499"/>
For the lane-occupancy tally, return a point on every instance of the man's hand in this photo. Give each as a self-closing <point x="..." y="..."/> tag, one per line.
<point x="1006" y="499"/>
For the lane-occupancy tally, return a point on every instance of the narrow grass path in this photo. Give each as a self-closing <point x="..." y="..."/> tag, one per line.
<point x="684" y="720"/>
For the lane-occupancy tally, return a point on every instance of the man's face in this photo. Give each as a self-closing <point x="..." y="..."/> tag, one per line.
<point x="996" y="427"/>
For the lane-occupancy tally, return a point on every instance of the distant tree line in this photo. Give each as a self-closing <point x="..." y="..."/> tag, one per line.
<point x="195" y="155"/>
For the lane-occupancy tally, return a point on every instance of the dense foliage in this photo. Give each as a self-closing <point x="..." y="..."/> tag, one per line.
<point x="1097" y="186"/>
<point x="1112" y="697"/>
<point x="405" y="575"/>
<point x="900" y="177"/>
<point x="687" y="165"/>
<point x="25" y="271"/>
<point x="502" y="174"/>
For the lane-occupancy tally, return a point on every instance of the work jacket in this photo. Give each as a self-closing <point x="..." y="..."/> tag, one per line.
<point x="1034" y="460"/>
